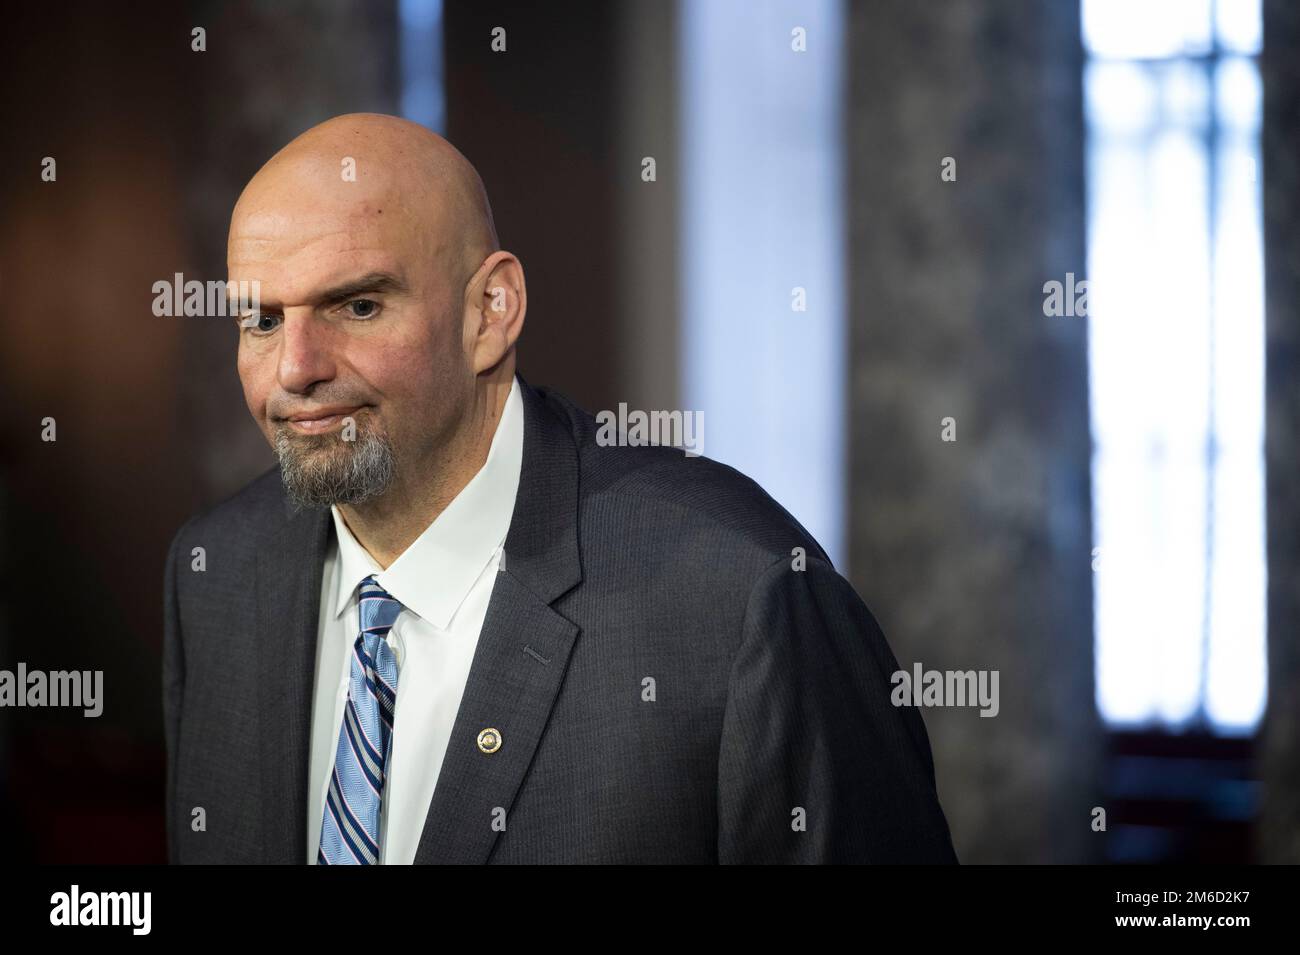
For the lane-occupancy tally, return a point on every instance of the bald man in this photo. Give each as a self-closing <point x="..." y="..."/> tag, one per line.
<point x="452" y="626"/>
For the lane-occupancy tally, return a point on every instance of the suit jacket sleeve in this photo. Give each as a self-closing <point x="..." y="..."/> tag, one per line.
<point x="173" y="684"/>
<point x="810" y="736"/>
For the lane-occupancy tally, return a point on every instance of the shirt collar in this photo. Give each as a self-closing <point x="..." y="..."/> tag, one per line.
<point x="434" y="575"/>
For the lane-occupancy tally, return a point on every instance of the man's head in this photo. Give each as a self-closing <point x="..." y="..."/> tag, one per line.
<point x="388" y="313"/>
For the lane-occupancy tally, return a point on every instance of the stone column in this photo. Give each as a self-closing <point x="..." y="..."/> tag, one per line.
<point x="975" y="553"/>
<point x="1279" y="829"/>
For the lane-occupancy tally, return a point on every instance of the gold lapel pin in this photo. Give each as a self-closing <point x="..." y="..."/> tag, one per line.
<point x="489" y="741"/>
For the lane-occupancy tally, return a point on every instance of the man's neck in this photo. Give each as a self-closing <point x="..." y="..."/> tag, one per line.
<point x="388" y="525"/>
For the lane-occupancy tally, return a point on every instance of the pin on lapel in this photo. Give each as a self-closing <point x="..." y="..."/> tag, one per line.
<point x="489" y="740"/>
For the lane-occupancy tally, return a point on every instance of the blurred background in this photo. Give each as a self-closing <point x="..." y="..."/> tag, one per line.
<point x="828" y="227"/>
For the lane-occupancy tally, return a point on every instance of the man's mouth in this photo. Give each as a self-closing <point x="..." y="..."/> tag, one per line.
<point x="320" y="420"/>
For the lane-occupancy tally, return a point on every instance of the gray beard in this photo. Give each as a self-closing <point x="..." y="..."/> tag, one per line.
<point x="325" y="470"/>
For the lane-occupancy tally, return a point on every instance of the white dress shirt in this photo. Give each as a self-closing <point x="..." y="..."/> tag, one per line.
<point x="443" y="580"/>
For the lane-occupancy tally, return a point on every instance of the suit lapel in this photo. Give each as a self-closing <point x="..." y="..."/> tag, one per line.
<point x="511" y="691"/>
<point x="523" y="650"/>
<point x="289" y="569"/>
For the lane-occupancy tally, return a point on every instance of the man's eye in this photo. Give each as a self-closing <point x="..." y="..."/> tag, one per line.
<point x="259" y="322"/>
<point x="363" y="308"/>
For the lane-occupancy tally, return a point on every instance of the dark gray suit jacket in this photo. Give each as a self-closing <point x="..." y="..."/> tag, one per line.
<point x="770" y="736"/>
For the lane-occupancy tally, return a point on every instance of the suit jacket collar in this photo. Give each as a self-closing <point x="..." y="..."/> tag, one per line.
<point x="516" y="673"/>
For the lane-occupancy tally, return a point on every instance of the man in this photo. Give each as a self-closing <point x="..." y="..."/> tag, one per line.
<point x="452" y="626"/>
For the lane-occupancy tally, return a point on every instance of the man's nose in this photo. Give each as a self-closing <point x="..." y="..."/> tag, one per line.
<point x="306" y="352"/>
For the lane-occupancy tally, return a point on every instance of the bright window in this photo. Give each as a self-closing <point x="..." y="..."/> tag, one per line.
<point x="763" y="276"/>
<point x="1176" y="361"/>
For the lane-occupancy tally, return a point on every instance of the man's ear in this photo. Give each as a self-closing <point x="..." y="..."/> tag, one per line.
<point x="496" y="300"/>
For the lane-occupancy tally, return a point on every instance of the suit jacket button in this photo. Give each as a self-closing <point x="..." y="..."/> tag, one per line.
<point x="489" y="741"/>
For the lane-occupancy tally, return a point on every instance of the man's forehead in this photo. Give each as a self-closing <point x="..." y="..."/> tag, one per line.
<point x="277" y="240"/>
<point x="287" y="225"/>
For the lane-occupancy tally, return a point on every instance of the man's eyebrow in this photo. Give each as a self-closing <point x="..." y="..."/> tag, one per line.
<point x="372" y="282"/>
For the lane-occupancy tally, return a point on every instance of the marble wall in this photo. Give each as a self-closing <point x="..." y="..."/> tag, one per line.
<point x="975" y="553"/>
<point x="1279" y="830"/>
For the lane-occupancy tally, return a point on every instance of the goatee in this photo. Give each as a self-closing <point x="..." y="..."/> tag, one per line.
<point x="321" y="470"/>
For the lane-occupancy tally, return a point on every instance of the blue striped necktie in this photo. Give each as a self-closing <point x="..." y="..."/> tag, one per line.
<point x="349" y="832"/>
